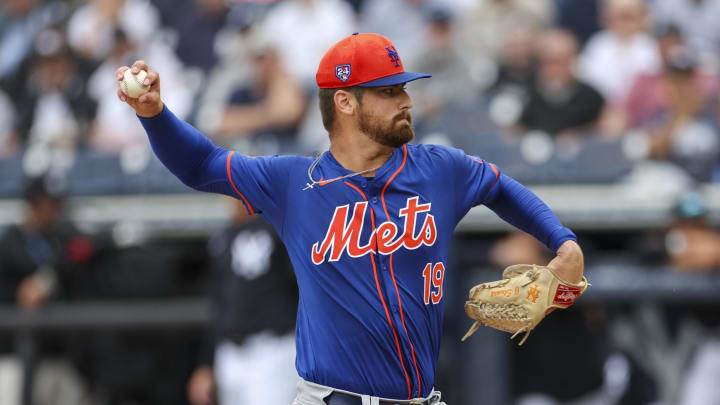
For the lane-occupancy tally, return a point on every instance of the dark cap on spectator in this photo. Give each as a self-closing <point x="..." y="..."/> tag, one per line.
<point x="664" y="29"/>
<point x="439" y="15"/>
<point x="681" y="60"/>
<point x="44" y="188"/>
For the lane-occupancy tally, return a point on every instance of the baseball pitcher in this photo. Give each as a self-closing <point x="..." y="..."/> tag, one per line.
<point x="367" y="226"/>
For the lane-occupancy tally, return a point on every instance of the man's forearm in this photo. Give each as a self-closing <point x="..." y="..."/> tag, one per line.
<point x="518" y="206"/>
<point x="187" y="153"/>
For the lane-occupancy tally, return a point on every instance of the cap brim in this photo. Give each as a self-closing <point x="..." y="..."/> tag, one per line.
<point x="392" y="80"/>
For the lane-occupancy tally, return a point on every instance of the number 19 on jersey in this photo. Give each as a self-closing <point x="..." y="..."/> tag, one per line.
<point x="433" y="276"/>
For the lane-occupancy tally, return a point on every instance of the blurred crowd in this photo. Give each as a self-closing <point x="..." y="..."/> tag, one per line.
<point x="545" y="75"/>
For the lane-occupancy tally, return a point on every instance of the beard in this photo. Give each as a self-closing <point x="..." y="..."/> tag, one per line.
<point x="394" y="133"/>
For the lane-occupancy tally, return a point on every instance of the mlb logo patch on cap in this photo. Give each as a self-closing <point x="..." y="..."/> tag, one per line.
<point x="342" y="72"/>
<point x="365" y="60"/>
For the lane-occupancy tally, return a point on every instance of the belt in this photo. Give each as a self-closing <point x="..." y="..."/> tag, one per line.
<point x="342" y="398"/>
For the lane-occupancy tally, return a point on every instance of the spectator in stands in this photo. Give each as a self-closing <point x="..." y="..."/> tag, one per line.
<point x="648" y="96"/>
<point x="37" y="260"/>
<point x="516" y="62"/>
<point x="112" y="130"/>
<point x="249" y="354"/>
<point x="381" y="16"/>
<point x="9" y="141"/>
<point x="54" y="107"/>
<point x="115" y="129"/>
<point x="691" y="246"/>
<point x="302" y="30"/>
<point x="691" y="243"/>
<point x="91" y="29"/>
<point x="20" y="21"/>
<point x="614" y="57"/>
<point x="196" y="47"/>
<point x="698" y="21"/>
<point x="484" y="29"/>
<point x="685" y="130"/>
<point x="32" y="249"/>
<point x="579" y="17"/>
<point x="441" y="58"/>
<point x="270" y="104"/>
<point x="558" y="102"/>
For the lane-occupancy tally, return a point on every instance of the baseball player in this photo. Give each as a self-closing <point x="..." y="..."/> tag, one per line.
<point x="367" y="224"/>
<point x="248" y="352"/>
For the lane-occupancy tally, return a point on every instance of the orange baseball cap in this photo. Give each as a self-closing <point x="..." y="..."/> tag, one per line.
<point x="365" y="60"/>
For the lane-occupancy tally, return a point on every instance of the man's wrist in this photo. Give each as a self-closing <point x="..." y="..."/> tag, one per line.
<point x="151" y="114"/>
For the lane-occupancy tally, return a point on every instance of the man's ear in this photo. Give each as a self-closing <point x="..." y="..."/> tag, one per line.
<point x="345" y="102"/>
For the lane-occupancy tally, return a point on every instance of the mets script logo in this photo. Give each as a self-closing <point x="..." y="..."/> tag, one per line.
<point x="394" y="57"/>
<point x="343" y="235"/>
<point x="343" y="72"/>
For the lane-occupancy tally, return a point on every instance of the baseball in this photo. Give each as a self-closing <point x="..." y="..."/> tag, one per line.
<point x="132" y="85"/>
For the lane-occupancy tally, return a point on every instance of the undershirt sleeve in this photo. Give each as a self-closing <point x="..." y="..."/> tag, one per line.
<point x="520" y="207"/>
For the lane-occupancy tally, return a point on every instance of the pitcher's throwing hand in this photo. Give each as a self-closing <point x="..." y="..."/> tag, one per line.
<point x="148" y="104"/>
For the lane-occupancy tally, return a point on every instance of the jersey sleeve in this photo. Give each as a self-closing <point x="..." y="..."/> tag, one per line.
<point x="480" y="182"/>
<point x="520" y="207"/>
<point x="260" y="183"/>
<point x="475" y="180"/>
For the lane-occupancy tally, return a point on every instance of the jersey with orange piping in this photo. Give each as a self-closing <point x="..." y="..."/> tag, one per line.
<point x="370" y="254"/>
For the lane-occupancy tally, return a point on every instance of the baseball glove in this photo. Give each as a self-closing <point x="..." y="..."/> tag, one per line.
<point x="519" y="301"/>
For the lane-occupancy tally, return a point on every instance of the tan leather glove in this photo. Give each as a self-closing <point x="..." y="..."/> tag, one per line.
<point x="519" y="301"/>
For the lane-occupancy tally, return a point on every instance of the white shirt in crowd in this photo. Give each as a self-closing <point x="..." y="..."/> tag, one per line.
<point x="315" y="26"/>
<point x="611" y="65"/>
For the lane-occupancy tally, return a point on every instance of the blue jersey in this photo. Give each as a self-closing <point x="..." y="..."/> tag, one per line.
<point x="370" y="254"/>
